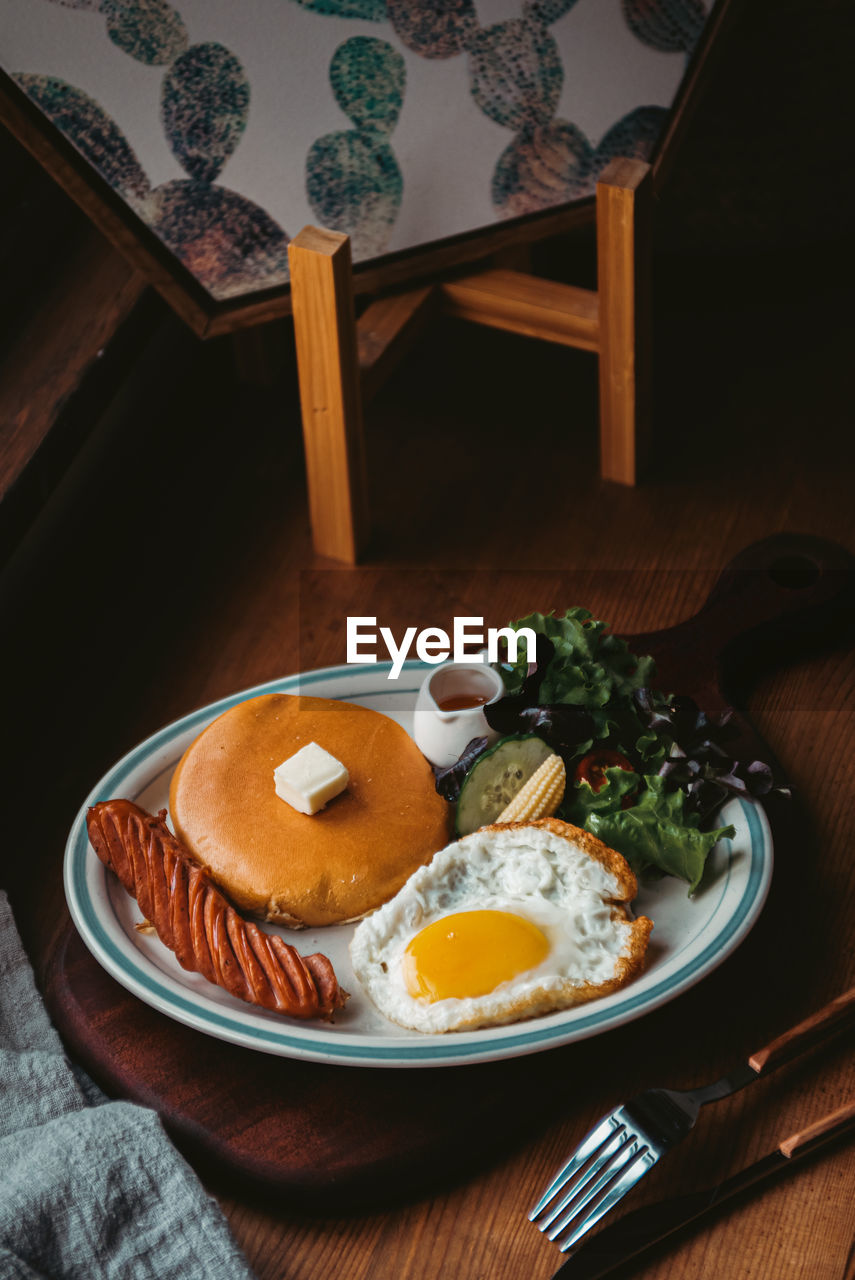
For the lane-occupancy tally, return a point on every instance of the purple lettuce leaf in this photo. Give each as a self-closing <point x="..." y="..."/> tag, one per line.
<point x="449" y="779"/>
<point x="698" y="761"/>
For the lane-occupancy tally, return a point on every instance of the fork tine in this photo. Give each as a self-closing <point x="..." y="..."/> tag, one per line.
<point x="588" y="1147"/>
<point x="626" y="1152"/>
<point x="592" y="1177"/>
<point x="633" y="1173"/>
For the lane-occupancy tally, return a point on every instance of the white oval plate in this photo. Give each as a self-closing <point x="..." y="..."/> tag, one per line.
<point x="690" y="938"/>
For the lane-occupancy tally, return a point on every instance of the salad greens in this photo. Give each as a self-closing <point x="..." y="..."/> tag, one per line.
<point x="589" y="666"/>
<point x="654" y="832"/>
<point x="587" y="693"/>
<point x="585" y="685"/>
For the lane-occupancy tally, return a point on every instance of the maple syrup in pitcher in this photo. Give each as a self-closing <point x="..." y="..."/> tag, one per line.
<point x="462" y="701"/>
<point x="449" y="710"/>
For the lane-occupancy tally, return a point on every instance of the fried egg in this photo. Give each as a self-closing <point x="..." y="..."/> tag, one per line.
<point x="509" y="922"/>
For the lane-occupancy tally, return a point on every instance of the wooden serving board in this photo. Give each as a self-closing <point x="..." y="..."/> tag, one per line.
<point x="318" y="1135"/>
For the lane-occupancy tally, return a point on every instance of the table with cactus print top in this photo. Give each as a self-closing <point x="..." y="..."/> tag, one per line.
<point x="216" y="131"/>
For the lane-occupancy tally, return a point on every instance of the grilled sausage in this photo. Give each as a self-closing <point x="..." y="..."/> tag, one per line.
<point x="195" y="921"/>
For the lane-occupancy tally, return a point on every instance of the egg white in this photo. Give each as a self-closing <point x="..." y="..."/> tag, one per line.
<point x="535" y="871"/>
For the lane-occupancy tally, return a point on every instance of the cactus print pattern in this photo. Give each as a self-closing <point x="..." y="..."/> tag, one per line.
<point x="547" y="11"/>
<point x="222" y="238"/>
<point x="433" y="28"/>
<point x="671" y="26"/>
<point x="634" y="136"/>
<point x="353" y="181"/>
<point x="354" y="185"/>
<point x="551" y="162"/>
<point x="95" y="135"/>
<point x="204" y="108"/>
<point x="368" y="10"/>
<point x="367" y="78"/>
<point x="516" y="73"/>
<point x="231" y="246"/>
<point x="511" y="72"/>
<point x="548" y="166"/>
<point x="149" y="30"/>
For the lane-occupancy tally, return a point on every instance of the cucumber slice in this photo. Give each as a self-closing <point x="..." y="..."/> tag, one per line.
<point x="496" y="777"/>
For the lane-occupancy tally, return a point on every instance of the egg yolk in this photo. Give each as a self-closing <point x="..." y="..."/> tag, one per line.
<point x="470" y="953"/>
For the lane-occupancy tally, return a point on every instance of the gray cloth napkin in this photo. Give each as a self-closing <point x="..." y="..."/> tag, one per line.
<point x="88" y="1188"/>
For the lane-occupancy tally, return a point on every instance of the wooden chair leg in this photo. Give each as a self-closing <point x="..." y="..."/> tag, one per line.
<point x="623" y="286"/>
<point x="330" y="396"/>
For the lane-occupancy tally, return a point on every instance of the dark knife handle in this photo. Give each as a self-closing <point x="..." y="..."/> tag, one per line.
<point x="639" y="1230"/>
<point x="813" y="1030"/>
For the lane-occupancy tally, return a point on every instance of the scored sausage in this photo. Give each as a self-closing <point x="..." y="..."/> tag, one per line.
<point x="195" y="921"/>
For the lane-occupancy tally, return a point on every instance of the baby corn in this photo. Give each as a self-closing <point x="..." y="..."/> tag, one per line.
<point x="540" y="796"/>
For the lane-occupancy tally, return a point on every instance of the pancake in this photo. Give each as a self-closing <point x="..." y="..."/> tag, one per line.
<point x="289" y="867"/>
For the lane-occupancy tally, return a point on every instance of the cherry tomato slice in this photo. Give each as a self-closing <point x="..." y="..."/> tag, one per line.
<point x="592" y="767"/>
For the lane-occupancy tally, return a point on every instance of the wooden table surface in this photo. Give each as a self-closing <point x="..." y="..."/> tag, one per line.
<point x="177" y="568"/>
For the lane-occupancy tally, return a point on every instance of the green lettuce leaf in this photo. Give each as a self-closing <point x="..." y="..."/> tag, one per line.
<point x="656" y="832"/>
<point x="590" y="665"/>
<point x="581" y="800"/>
<point x="590" y="668"/>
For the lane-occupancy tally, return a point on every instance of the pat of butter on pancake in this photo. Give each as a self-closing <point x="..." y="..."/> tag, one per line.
<point x="281" y="865"/>
<point x="309" y="779"/>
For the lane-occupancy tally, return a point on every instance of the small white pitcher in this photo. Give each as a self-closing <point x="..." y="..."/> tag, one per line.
<point x="450" y="709"/>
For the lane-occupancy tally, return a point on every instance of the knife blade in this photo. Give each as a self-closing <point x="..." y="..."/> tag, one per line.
<point x="639" y="1230"/>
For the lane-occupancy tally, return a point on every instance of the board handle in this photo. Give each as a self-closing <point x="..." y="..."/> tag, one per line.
<point x="782" y="597"/>
<point x="785" y="576"/>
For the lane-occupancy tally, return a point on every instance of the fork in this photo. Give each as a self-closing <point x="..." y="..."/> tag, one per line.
<point x="628" y="1142"/>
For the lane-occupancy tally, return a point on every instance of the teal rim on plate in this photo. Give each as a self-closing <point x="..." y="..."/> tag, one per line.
<point x="694" y="944"/>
